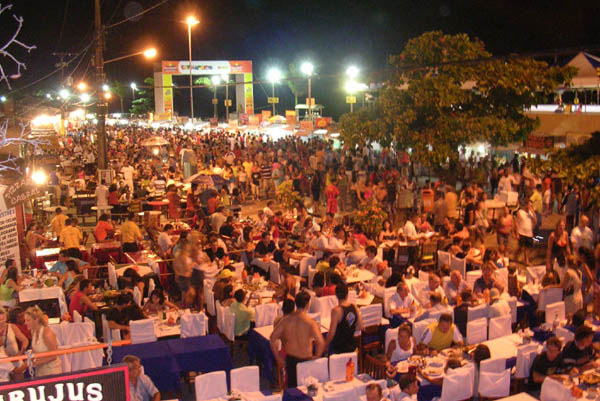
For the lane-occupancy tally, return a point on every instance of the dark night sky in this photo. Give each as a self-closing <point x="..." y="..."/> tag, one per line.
<point x="331" y="33"/>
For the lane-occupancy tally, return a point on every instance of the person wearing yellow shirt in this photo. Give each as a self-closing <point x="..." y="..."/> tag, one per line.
<point x="536" y="200"/>
<point x="130" y="234"/>
<point x="71" y="237"/>
<point x="59" y="222"/>
<point x="441" y="334"/>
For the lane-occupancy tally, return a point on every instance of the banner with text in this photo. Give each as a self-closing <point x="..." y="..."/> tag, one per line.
<point x="21" y="191"/>
<point x="9" y="239"/>
<point x="102" y="384"/>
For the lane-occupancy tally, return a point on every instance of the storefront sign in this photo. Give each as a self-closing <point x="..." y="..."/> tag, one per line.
<point x="306" y="125"/>
<point x="290" y="117"/>
<point x="9" y="240"/>
<point x="19" y="192"/>
<point x="539" y="142"/>
<point x="322" y="122"/>
<point x="102" y="384"/>
<point x="254" y="119"/>
<point x="265" y="115"/>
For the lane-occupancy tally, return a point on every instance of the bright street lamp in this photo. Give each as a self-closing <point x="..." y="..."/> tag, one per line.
<point x="191" y="21"/>
<point x="82" y="86"/>
<point x="105" y="88"/>
<point x="133" y="87"/>
<point x="216" y="80"/>
<point x="352" y="72"/>
<point x="307" y="69"/>
<point x="64" y="94"/>
<point x="2" y="99"/>
<point x="273" y="76"/>
<point x="150" y="53"/>
<point x="85" y="97"/>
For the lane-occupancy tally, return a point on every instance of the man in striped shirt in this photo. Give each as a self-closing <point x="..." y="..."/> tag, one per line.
<point x="266" y="180"/>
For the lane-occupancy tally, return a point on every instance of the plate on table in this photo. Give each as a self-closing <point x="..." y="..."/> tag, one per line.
<point x="435" y="363"/>
<point x="433" y="372"/>
<point x="402" y="367"/>
<point x="590" y="378"/>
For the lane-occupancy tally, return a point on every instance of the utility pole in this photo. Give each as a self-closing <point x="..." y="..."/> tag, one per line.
<point x="61" y="64"/>
<point x="101" y="101"/>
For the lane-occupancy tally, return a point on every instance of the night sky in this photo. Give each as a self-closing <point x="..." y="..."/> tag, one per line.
<point x="332" y="34"/>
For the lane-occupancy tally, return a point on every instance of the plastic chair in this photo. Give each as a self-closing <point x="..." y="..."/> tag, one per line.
<point x="419" y="293"/>
<point x="554" y="311"/>
<point x="525" y="356"/>
<point x="472" y="276"/>
<point x="337" y="365"/>
<point x="112" y="276"/>
<point x="142" y="331"/>
<point x="458" y="264"/>
<point x="306" y="264"/>
<point x="77" y="317"/>
<point x="494" y="365"/>
<point x="476" y="331"/>
<point x="107" y="333"/>
<point x="423" y="276"/>
<point x="443" y="258"/>
<point x="265" y="314"/>
<point x="494" y="385"/>
<point x="387" y="294"/>
<point x="477" y="312"/>
<point x="390" y="334"/>
<point x="553" y="390"/>
<point x="535" y="274"/>
<point x="209" y="298"/>
<point x="512" y="302"/>
<point x="419" y="329"/>
<point x="274" y="274"/>
<point x="500" y="326"/>
<point x="210" y="385"/>
<point x="239" y="268"/>
<point x="457" y="385"/>
<point x="316" y="368"/>
<point x="502" y="276"/>
<point x="324" y="305"/>
<point x="245" y="379"/>
<point x="137" y="296"/>
<point x="371" y="315"/>
<point x="193" y="325"/>
<point x="229" y="325"/>
<point x="565" y="334"/>
<point x="151" y="287"/>
<point x="549" y="296"/>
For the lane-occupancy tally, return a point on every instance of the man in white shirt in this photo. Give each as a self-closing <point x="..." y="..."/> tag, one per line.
<point x="371" y="261"/>
<point x="164" y="240"/>
<point x="268" y="210"/>
<point x="127" y="171"/>
<point x="436" y="308"/>
<point x="455" y="286"/>
<point x="407" y="388"/>
<point x="101" y="195"/>
<point x="217" y="219"/>
<point x="582" y="236"/>
<point x="504" y="184"/>
<point x="525" y="222"/>
<point x="412" y="238"/>
<point x="402" y="303"/>
<point x="498" y="306"/>
<point x="318" y="244"/>
<point x="433" y="286"/>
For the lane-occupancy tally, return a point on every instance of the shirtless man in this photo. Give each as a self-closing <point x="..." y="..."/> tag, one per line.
<point x="297" y="333"/>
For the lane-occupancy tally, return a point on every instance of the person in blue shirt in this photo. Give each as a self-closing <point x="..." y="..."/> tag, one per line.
<point x="60" y="267"/>
<point x="141" y="387"/>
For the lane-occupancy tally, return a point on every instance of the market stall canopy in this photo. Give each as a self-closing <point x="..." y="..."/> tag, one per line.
<point x="277" y="119"/>
<point x="587" y="76"/>
<point x="317" y="107"/>
<point x="155" y="141"/>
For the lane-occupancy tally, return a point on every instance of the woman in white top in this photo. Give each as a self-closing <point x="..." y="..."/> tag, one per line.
<point x="43" y="339"/>
<point x="401" y="348"/>
<point x="10" y="338"/>
<point x="571" y="285"/>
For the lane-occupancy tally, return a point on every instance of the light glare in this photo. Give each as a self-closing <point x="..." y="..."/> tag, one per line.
<point x="274" y="75"/>
<point x="307" y="68"/>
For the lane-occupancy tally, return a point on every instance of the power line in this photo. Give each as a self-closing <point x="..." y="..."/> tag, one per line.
<point x="136" y="15"/>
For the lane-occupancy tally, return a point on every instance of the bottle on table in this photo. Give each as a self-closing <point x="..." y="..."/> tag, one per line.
<point x="349" y="370"/>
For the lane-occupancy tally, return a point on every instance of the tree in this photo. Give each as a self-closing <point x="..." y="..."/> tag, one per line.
<point x="427" y="104"/>
<point x="5" y="52"/>
<point x="297" y="91"/>
<point x="144" y="103"/>
<point x="121" y="91"/>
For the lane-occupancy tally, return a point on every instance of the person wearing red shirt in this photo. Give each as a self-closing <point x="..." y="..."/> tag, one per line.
<point x="80" y="300"/>
<point x="173" y="199"/>
<point x="103" y="229"/>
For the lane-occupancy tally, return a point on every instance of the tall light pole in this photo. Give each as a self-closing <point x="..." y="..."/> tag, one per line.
<point x="191" y="21"/>
<point x="216" y="80"/>
<point x="307" y="69"/>
<point x="225" y="78"/>
<point x="351" y="86"/>
<point x="273" y="75"/>
<point x="133" y="88"/>
<point x="101" y="104"/>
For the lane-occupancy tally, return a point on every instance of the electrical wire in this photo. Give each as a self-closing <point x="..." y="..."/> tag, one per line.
<point x="62" y="27"/>
<point x="136" y="15"/>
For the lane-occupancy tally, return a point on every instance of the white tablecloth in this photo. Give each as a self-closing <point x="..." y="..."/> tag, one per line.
<point x="39" y="294"/>
<point x="504" y="347"/>
<point x="362" y="275"/>
<point x="519" y="397"/>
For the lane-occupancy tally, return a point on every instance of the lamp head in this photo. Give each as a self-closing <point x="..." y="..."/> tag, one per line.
<point x="307" y="68"/>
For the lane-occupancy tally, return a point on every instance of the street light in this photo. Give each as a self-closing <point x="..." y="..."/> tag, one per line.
<point x="64" y="94"/>
<point x="149" y="53"/>
<point x="273" y="75"/>
<point x="352" y="72"/>
<point x="82" y="86"/>
<point x="105" y="88"/>
<point x="85" y="97"/>
<point x="225" y="78"/>
<point x="133" y="88"/>
<point x="216" y="80"/>
<point x="307" y="69"/>
<point x="191" y="21"/>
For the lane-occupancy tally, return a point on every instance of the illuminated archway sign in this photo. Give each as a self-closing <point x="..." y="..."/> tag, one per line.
<point x="163" y="82"/>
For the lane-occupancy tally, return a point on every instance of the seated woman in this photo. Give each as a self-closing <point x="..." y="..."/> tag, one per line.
<point x="13" y="342"/>
<point x="71" y="277"/>
<point x="9" y="289"/>
<point x="403" y="347"/>
<point x="104" y="231"/>
<point x="131" y="279"/>
<point x="157" y="303"/>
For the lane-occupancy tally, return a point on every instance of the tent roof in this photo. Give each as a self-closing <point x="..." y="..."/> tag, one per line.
<point x="586" y="65"/>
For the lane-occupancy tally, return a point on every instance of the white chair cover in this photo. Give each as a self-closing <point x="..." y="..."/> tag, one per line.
<point x="324" y="305"/>
<point x="239" y="268"/>
<point x="457" y="385"/>
<point x="419" y="293"/>
<point x="137" y="296"/>
<point x="443" y="259"/>
<point x="387" y="294"/>
<point x="337" y="365"/>
<point x="274" y="275"/>
<point x="390" y="334"/>
<point x="245" y="379"/>
<point x="494" y="385"/>
<point x="371" y="315"/>
<point x="193" y="325"/>
<point x="112" y="276"/>
<point x="265" y="314"/>
<point x="77" y="317"/>
<point x="348" y="394"/>
<point x="525" y="356"/>
<point x="306" y="264"/>
<point x="316" y="317"/>
<point x="76" y="335"/>
<point x="502" y="276"/>
<point x="419" y="329"/>
<point x="423" y="276"/>
<point x="209" y="298"/>
<point x="565" y="334"/>
<point x="476" y="331"/>
<point x="512" y="198"/>
<point x="555" y="310"/>
<point x="477" y="312"/>
<point x="495" y="365"/>
<point x="549" y="296"/>
<point x="535" y="274"/>
<point x="553" y="390"/>
<point x="316" y="368"/>
<point x="311" y="276"/>
<point x="458" y="264"/>
<point x="512" y="302"/>
<point x="151" y="286"/>
<point x="229" y="325"/>
<point x="472" y="276"/>
<point x="500" y="326"/>
<point x="220" y="316"/>
<point x="210" y="385"/>
<point x="272" y="397"/>
<point x="142" y="331"/>
<point x="154" y="266"/>
<point x="352" y="296"/>
<point x="107" y="333"/>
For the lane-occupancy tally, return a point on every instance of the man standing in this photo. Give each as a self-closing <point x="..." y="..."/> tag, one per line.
<point x="101" y="194"/>
<point x="582" y="236"/>
<point x="71" y="237"/>
<point x="345" y="320"/>
<point x="525" y="223"/>
<point x="130" y="234"/>
<point x="298" y="333"/>
<point x="141" y="387"/>
<point x="59" y="222"/>
<point x="538" y="206"/>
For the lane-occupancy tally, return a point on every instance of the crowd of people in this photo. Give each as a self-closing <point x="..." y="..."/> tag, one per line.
<point x="319" y="230"/>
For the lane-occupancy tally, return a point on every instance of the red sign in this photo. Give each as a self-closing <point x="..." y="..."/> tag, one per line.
<point x="265" y="115"/>
<point x="254" y="119"/>
<point x="306" y="125"/>
<point x="539" y="142"/>
<point x="290" y="117"/>
<point x="214" y="122"/>
<point x="323" y="122"/>
<point x="243" y="119"/>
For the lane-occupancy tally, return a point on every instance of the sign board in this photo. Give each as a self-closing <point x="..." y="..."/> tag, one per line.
<point x="323" y="122"/>
<point x="265" y="115"/>
<point x="306" y="125"/>
<point x="272" y="100"/>
<point x="254" y="119"/>
<point x="9" y="239"/>
<point x="233" y="123"/>
<point x="21" y="191"/>
<point x="539" y="142"/>
<point x="310" y="101"/>
<point x="101" y="384"/>
<point x="243" y="119"/>
<point x="227" y="102"/>
<point x="215" y="101"/>
<point x="290" y="117"/>
<point x="350" y="99"/>
<point x="214" y="122"/>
